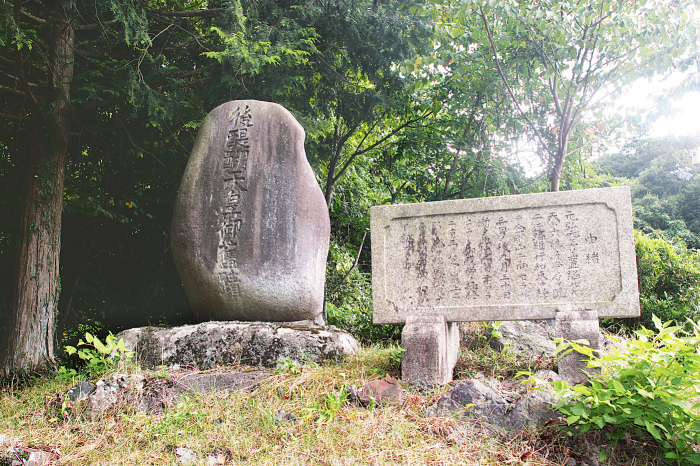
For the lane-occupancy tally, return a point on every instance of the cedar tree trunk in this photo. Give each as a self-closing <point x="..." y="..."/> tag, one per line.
<point x="33" y="324"/>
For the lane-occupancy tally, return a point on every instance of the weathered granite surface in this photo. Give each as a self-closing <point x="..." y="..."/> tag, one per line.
<point x="213" y="344"/>
<point x="505" y="258"/>
<point x="472" y="399"/>
<point x="527" y="338"/>
<point x="250" y="225"/>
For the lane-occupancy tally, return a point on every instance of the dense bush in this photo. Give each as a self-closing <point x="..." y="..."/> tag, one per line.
<point x="645" y="389"/>
<point x="669" y="279"/>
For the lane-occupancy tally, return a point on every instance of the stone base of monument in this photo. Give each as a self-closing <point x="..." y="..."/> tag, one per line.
<point x="577" y="324"/>
<point x="432" y="350"/>
<point x="212" y="344"/>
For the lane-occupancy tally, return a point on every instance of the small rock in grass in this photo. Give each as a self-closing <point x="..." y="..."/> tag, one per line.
<point x="382" y="391"/>
<point x="38" y="458"/>
<point x="22" y="456"/>
<point x="283" y="417"/>
<point x="217" y="457"/>
<point x="185" y="456"/>
<point x="80" y="391"/>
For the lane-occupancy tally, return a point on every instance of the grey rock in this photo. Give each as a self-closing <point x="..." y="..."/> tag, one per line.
<point x="472" y="399"/>
<point x="283" y="417"/>
<point x="532" y="410"/>
<point x="106" y="394"/>
<point x="250" y="227"/>
<point x="547" y="375"/>
<point x="213" y="344"/>
<point x="129" y="381"/>
<point x="39" y="458"/>
<point x="80" y="391"/>
<point x="155" y="394"/>
<point x="186" y="456"/>
<point x="218" y="456"/>
<point x="578" y="324"/>
<point x="529" y="338"/>
<point x="24" y="456"/>
<point x="109" y="392"/>
<point x="6" y="440"/>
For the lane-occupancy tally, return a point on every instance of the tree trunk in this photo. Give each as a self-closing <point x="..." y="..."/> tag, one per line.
<point x="555" y="177"/>
<point x="35" y="299"/>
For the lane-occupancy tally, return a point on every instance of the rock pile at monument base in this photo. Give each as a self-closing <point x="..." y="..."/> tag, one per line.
<point x="212" y="344"/>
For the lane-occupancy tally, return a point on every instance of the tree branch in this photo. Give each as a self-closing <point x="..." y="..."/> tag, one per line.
<point x="210" y="13"/>
<point x="14" y="117"/>
<point x="92" y="26"/>
<point x="9" y="90"/>
<point x="508" y="88"/>
<point x="359" y="152"/>
<point x="354" y="265"/>
<point x="32" y="17"/>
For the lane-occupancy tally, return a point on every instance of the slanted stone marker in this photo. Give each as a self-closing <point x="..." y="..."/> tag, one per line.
<point x="250" y="226"/>
<point x="567" y="255"/>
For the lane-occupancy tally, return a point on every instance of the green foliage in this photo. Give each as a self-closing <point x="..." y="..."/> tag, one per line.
<point x="395" y="356"/>
<point x="669" y="279"/>
<point x="555" y="60"/>
<point x="663" y="204"/>
<point x="187" y="413"/>
<point x="329" y="406"/>
<point x="288" y="366"/>
<point x="99" y="357"/>
<point x="647" y="388"/>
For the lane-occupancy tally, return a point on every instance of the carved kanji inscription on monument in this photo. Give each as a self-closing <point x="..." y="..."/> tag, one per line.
<point x="505" y="258"/>
<point x="234" y="168"/>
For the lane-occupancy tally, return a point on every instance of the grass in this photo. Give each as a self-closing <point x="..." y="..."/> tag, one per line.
<point x="239" y="427"/>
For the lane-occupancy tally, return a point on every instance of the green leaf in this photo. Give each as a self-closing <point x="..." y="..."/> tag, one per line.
<point x="457" y="32"/>
<point x="651" y="428"/>
<point x="693" y="458"/>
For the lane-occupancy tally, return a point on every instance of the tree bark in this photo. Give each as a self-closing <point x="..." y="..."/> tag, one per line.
<point x="32" y="327"/>
<point x="555" y="177"/>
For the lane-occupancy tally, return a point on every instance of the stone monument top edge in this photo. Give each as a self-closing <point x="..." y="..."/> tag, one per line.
<point x="613" y="197"/>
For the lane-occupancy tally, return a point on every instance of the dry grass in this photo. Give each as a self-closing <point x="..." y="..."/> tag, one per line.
<point x="239" y="427"/>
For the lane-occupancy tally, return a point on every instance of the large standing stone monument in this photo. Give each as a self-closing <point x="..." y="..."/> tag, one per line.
<point x="534" y="256"/>
<point x="250" y="227"/>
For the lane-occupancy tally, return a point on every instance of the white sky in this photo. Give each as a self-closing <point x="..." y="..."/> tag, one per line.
<point x="684" y="122"/>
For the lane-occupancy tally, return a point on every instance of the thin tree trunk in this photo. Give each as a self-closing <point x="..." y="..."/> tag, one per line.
<point x="555" y="178"/>
<point x="32" y="327"/>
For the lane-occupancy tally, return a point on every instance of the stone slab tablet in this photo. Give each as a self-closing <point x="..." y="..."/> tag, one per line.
<point x="505" y="258"/>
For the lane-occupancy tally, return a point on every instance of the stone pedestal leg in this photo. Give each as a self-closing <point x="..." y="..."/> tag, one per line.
<point x="577" y="324"/>
<point x="432" y="349"/>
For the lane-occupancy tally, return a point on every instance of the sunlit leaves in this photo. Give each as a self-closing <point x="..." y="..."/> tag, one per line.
<point x="646" y="387"/>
